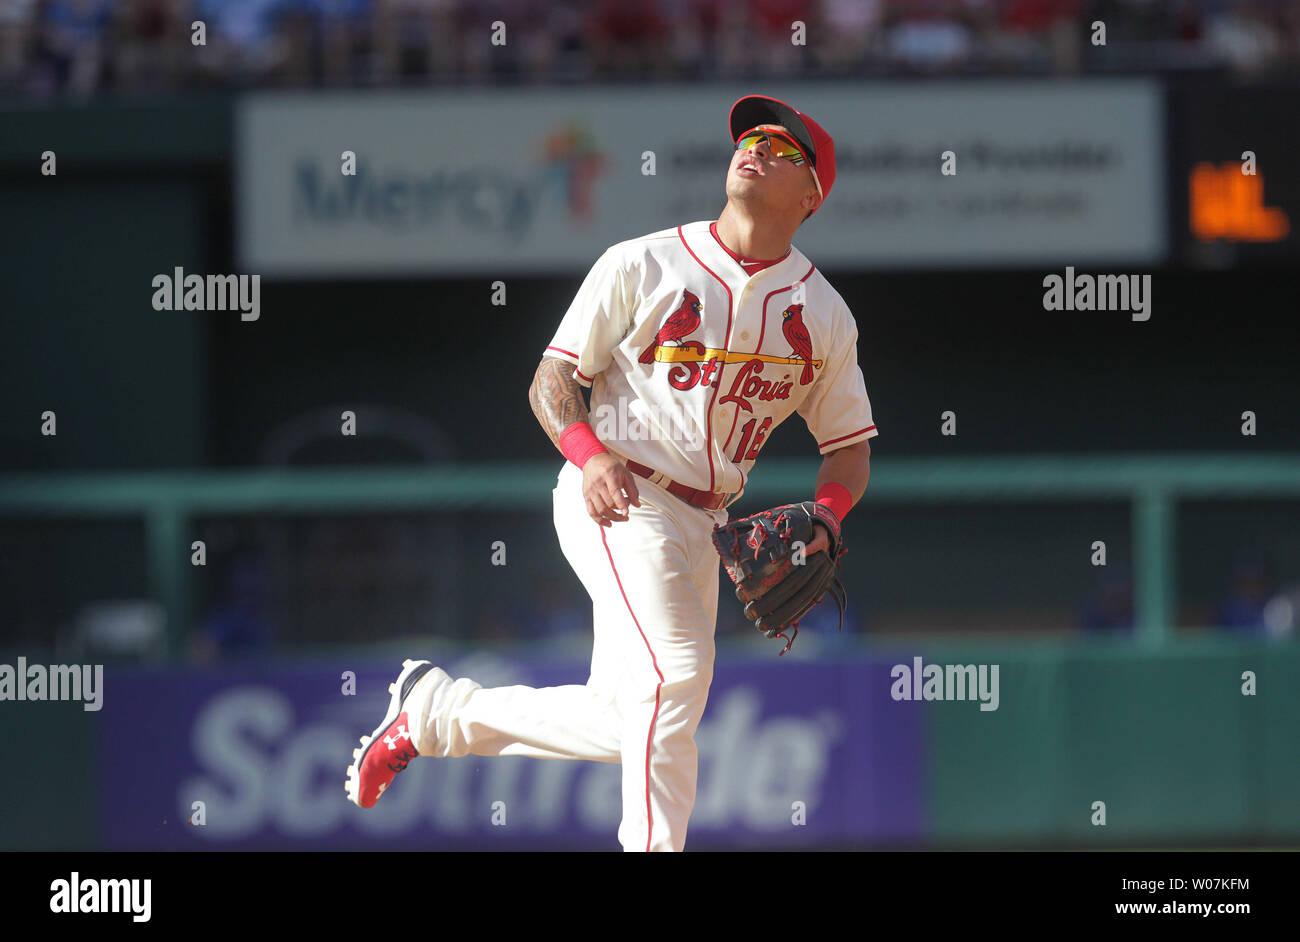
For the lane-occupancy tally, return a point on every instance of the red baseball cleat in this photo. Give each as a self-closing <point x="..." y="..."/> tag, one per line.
<point x="386" y="751"/>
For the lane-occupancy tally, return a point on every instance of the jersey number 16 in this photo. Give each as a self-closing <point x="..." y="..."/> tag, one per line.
<point x="741" y="454"/>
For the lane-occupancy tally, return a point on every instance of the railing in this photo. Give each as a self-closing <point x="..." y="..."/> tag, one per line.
<point x="168" y="501"/>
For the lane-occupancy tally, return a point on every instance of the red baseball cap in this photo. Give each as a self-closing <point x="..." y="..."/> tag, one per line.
<point x="752" y="110"/>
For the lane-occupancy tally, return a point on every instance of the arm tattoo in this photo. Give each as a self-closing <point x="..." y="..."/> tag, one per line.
<point x="556" y="397"/>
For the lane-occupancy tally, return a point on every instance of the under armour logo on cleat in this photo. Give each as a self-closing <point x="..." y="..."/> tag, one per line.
<point x="401" y="734"/>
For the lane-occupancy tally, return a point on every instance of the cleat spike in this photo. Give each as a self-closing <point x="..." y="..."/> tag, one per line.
<point x="392" y="688"/>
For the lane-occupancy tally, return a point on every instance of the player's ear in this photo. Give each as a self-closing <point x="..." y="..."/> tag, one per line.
<point x="811" y="202"/>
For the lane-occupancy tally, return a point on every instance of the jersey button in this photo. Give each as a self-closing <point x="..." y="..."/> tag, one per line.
<point x="744" y="335"/>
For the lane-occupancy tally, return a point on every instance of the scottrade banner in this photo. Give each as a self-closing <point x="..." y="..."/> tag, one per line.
<point x="535" y="180"/>
<point x="791" y="755"/>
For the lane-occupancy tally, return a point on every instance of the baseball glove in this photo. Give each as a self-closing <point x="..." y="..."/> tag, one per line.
<point x="775" y="582"/>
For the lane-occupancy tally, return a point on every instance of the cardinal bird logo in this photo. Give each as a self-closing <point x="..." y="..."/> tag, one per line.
<point x="796" y="334"/>
<point x="677" y="325"/>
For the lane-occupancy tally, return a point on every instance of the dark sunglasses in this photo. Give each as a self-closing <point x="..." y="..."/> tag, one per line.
<point x="779" y="144"/>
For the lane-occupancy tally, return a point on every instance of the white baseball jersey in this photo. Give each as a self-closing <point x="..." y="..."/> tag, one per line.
<point x="692" y="362"/>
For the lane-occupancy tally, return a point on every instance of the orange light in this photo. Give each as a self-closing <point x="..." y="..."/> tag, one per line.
<point x="1228" y="204"/>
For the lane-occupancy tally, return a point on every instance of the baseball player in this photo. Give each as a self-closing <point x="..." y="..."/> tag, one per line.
<point x="705" y="337"/>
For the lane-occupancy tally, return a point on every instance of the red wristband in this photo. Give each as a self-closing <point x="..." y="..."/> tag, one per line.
<point x="836" y="497"/>
<point x="578" y="443"/>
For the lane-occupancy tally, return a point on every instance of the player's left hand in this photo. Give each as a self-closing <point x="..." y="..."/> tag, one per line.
<point x="821" y="542"/>
<point x="783" y="561"/>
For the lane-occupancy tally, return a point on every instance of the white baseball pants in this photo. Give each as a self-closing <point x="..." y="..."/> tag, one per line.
<point x="653" y="581"/>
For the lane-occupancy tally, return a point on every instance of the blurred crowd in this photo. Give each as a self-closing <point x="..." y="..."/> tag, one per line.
<point x="1252" y="601"/>
<point x="1255" y="602"/>
<point x="86" y="46"/>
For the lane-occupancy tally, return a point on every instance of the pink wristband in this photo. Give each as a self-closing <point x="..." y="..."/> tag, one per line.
<point x="578" y="443"/>
<point x="836" y="497"/>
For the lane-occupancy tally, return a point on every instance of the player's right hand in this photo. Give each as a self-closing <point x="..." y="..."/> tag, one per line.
<point x="609" y="489"/>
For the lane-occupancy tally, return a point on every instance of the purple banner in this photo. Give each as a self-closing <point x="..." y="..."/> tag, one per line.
<point x="792" y="754"/>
